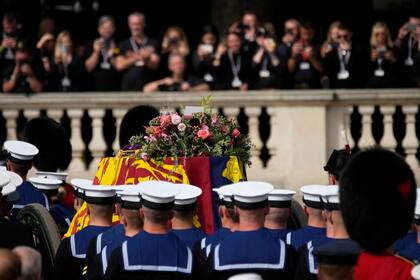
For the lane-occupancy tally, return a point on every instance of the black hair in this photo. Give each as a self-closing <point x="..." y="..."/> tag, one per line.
<point x="53" y="142"/>
<point x="134" y="121"/>
<point x="377" y="198"/>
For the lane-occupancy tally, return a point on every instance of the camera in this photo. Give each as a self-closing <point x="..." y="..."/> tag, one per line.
<point x="290" y="31"/>
<point x="207" y="48"/>
<point x="261" y="31"/>
<point x="334" y="45"/>
<point x="173" y="41"/>
<point x="411" y="27"/>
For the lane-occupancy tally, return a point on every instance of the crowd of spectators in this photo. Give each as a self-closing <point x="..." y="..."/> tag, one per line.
<point x="249" y="56"/>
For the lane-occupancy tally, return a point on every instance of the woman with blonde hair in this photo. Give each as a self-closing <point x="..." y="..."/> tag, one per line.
<point x="174" y="42"/>
<point x="382" y="57"/>
<point x="69" y="66"/>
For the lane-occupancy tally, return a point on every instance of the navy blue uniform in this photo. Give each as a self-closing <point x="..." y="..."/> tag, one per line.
<point x="303" y="235"/>
<point x="71" y="253"/>
<point x="252" y="251"/>
<point x="62" y="214"/>
<point x="307" y="266"/>
<point x="210" y="241"/>
<point x="280" y="233"/>
<point x="408" y="240"/>
<point x="152" y="256"/>
<point x="189" y="236"/>
<point x="411" y="252"/>
<point x="100" y="249"/>
<point x="29" y="194"/>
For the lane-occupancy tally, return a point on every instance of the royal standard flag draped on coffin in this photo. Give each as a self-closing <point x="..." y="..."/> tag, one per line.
<point x="204" y="172"/>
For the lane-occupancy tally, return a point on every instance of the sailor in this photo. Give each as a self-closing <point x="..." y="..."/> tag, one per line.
<point x="49" y="183"/>
<point x="19" y="160"/>
<point x="279" y="201"/>
<point x="71" y="254"/>
<point x="336" y="259"/>
<point x="252" y="248"/>
<point x="156" y="252"/>
<point x="101" y="247"/>
<point x="313" y="206"/>
<point x="13" y="233"/>
<point x="185" y="209"/>
<point x="228" y="217"/>
<point x="307" y="266"/>
<point x="377" y="201"/>
<point x="412" y="251"/>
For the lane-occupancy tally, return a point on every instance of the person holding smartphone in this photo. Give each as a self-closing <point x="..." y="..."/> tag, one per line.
<point x="100" y="62"/>
<point x="232" y="64"/>
<point x="203" y="56"/>
<point x="266" y="62"/>
<point x="304" y="64"/>
<point x="407" y="47"/>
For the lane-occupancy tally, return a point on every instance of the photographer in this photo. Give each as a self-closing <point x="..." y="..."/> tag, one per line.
<point x="407" y="47"/>
<point x="178" y="80"/>
<point x="304" y="64"/>
<point x="382" y="58"/>
<point x="248" y="29"/>
<point x="266" y="63"/>
<point x="232" y="64"/>
<point x="331" y="43"/>
<point x="9" y="38"/>
<point x="100" y="57"/>
<point x="137" y="59"/>
<point x="69" y="68"/>
<point x="204" y="54"/>
<point x="346" y="65"/>
<point x="290" y="36"/>
<point x="24" y="75"/>
<point x="174" y="41"/>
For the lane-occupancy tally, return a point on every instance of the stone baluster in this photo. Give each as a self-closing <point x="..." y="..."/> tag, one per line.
<point x="253" y="113"/>
<point x="55" y="114"/>
<point x="10" y="116"/>
<point x="366" y="139"/>
<point x="77" y="167"/>
<point x="97" y="145"/>
<point x="118" y="115"/>
<point x="388" y="140"/>
<point x="410" y="142"/>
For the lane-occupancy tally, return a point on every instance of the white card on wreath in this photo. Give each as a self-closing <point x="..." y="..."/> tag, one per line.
<point x="189" y="110"/>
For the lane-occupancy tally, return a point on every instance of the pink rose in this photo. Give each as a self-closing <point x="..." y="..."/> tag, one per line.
<point x="224" y="129"/>
<point x="204" y="127"/>
<point x="203" y="133"/>
<point x="182" y="127"/>
<point x="214" y="120"/>
<point x="165" y="120"/>
<point x="235" y="133"/>
<point x="144" y="156"/>
<point x="176" y="119"/>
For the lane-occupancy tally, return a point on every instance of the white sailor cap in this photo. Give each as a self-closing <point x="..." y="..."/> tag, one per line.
<point x="246" y="276"/>
<point x="9" y="181"/>
<point x="186" y="199"/>
<point x="20" y="152"/>
<point x="95" y="194"/>
<point x="251" y="194"/>
<point x="330" y="197"/>
<point x="280" y="198"/>
<point x="53" y="175"/>
<point x="312" y="195"/>
<point x="158" y="195"/>
<point x="45" y="184"/>
<point x="415" y="272"/>
<point x="129" y="196"/>
<point x="226" y="195"/>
